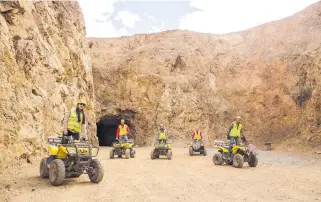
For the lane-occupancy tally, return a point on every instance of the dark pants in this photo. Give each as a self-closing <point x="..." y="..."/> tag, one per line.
<point x="74" y="135"/>
<point x="232" y="140"/>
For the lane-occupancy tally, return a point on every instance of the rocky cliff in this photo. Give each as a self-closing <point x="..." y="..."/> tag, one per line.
<point x="269" y="75"/>
<point x="45" y="67"/>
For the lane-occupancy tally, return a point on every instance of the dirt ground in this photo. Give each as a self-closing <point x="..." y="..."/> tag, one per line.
<point x="278" y="177"/>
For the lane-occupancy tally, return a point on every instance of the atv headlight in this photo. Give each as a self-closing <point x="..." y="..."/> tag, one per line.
<point x="71" y="151"/>
<point x="94" y="151"/>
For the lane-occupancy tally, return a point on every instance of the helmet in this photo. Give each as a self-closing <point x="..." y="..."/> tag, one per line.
<point x="82" y="101"/>
<point x="122" y="121"/>
<point x="238" y="117"/>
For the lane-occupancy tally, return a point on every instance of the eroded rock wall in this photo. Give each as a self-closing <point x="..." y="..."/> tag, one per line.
<point x="269" y="75"/>
<point x="45" y="67"/>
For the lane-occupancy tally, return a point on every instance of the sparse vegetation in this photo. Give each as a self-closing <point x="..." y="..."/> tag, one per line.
<point x="301" y="94"/>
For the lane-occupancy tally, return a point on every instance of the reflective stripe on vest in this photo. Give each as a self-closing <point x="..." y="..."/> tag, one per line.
<point x="236" y="131"/>
<point x="122" y="130"/>
<point x="197" y="135"/>
<point x="73" y="124"/>
<point x="162" y="136"/>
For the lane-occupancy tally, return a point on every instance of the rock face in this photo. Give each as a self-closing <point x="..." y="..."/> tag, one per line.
<point x="269" y="75"/>
<point x="44" y="68"/>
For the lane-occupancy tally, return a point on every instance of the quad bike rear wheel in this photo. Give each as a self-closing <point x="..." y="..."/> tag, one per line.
<point x="218" y="159"/>
<point x="152" y="156"/>
<point x="169" y="154"/>
<point x="204" y="152"/>
<point x="119" y="155"/>
<point x="132" y="154"/>
<point x="57" y="172"/>
<point x="44" y="170"/>
<point x="127" y="153"/>
<point x="238" y="161"/>
<point x="191" y="151"/>
<point x="253" y="161"/>
<point x="97" y="173"/>
<point x="111" y="153"/>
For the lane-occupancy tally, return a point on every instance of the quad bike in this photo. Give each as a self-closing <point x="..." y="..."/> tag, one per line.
<point x="123" y="147"/>
<point x="197" y="146"/>
<point x="161" y="147"/>
<point x="69" y="158"/>
<point x="240" y="154"/>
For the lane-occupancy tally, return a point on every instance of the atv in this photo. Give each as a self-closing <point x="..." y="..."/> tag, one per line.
<point x="197" y="146"/>
<point x="123" y="148"/>
<point x="69" y="158"/>
<point x="161" y="147"/>
<point x="240" y="154"/>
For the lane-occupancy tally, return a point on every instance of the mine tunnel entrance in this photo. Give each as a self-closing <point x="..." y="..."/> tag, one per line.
<point x="107" y="127"/>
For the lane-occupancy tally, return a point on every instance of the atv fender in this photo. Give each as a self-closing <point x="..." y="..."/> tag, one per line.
<point x="53" y="150"/>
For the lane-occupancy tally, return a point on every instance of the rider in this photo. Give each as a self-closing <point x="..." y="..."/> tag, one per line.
<point x="162" y="133"/>
<point x="75" y="121"/>
<point x="122" y="131"/>
<point x="235" y="132"/>
<point x="197" y="135"/>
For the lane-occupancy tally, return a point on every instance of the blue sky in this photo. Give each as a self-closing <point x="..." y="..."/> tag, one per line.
<point x="115" y="18"/>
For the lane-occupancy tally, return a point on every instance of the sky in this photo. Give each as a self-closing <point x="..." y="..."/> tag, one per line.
<point x="116" y="18"/>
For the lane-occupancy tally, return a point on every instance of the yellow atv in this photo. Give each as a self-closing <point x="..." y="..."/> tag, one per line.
<point x="123" y="148"/>
<point x="240" y="154"/>
<point x="69" y="158"/>
<point x="161" y="147"/>
<point x="197" y="146"/>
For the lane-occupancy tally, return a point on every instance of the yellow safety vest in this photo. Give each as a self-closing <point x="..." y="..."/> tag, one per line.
<point x="236" y="131"/>
<point x="122" y="130"/>
<point x="197" y="135"/>
<point x="73" y="124"/>
<point x="162" y="136"/>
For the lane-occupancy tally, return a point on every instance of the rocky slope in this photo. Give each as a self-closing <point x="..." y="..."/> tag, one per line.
<point x="269" y="75"/>
<point x="45" y="67"/>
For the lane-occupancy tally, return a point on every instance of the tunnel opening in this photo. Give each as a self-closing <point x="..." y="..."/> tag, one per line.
<point x="107" y="127"/>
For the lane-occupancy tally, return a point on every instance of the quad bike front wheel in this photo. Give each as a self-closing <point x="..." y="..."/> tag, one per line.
<point x="169" y="154"/>
<point x="218" y="159"/>
<point x="238" y="161"/>
<point x="111" y="153"/>
<point x="57" y="172"/>
<point x="191" y="151"/>
<point x="127" y="153"/>
<point x="97" y="172"/>
<point x="44" y="170"/>
<point x="253" y="161"/>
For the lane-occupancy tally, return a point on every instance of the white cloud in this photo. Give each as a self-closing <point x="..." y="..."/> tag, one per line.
<point x="149" y="17"/>
<point x="96" y="15"/>
<point x="127" y="18"/>
<point x="158" y="28"/>
<point x="218" y="16"/>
